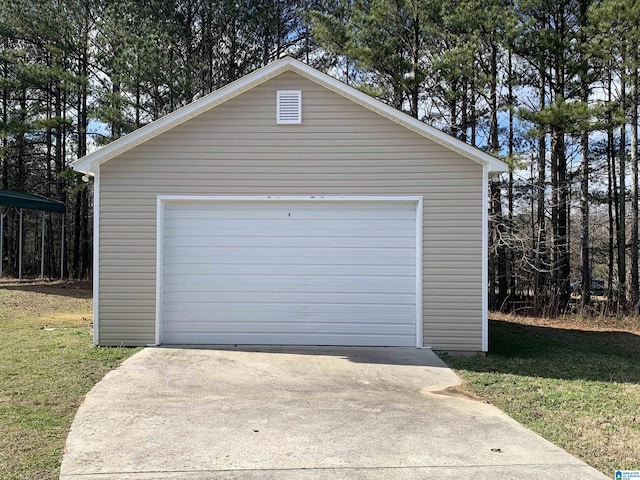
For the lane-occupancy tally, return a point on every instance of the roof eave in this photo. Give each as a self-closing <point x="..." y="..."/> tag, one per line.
<point x="494" y="164"/>
<point x="89" y="162"/>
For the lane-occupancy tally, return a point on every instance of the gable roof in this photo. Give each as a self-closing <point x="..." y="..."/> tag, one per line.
<point x="89" y="162"/>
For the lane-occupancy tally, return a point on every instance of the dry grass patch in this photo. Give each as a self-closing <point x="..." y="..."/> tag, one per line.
<point x="47" y="364"/>
<point x="622" y="323"/>
<point x="575" y="381"/>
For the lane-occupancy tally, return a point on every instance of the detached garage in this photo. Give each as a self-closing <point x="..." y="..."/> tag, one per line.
<point x="290" y="209"/>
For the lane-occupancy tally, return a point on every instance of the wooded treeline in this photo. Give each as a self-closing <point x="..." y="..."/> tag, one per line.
<point x="549" y="86"/>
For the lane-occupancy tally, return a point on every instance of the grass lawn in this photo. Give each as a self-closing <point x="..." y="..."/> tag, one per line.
<point x="574" y="381"/>
<point x="47" y="364"/>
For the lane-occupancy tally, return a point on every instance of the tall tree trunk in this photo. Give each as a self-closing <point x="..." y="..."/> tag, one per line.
<point x="5" y="119"/>
<point x="453" y="113"/>
<point x="541" y="186"/>
<point x="49" y="139"/>
<point x="138" y="95"/>
<point x="560" y="188"/>
<point x="77" y="231"/>
<point x="511" y="143"/>
<point x="622" y="203"/>
<point x="207" y="49"/>
<point x="499" y="248"/>
<point x="564" y="267"/>
<point x="85" y="245"/>
<point x="585" y="269"/>
<point x="464" y="112"/>
<point x="612" y="195"/>
<point x="5" y="158"/>
<point x="415" y="59"/>
<point x="634" y="186"/>
<point x="21" y="143"/>
<point x="584" y="211"/>
<point x="188" y="55"/>
<point x="555" y="202"/>
<point x="83" y="123"/>
<point x="494" y="143"/>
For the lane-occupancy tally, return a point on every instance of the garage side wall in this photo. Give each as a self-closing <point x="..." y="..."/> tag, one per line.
<point x="340" y="148"/>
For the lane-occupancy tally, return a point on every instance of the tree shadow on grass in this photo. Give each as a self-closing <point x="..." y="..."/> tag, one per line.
<point x="562" y="353"/>
<point x="80" y="290"/>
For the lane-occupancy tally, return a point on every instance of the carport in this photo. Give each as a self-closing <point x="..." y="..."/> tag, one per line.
<point x="26" y="201"/>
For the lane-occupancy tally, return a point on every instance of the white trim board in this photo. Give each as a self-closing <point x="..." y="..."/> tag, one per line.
<point x="159" y="267"/>
<point x="419" y="273"/>
<point x="90" y="162"/>
<point x="485" y="259"/>
<point x="160" y="214"/>
<point x="290" y="198"/>
<point x="96" y="256"/>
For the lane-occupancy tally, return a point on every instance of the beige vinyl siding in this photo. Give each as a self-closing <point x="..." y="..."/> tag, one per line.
<point x="341" y="148"/>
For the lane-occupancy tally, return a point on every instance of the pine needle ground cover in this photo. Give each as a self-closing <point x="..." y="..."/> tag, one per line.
<point x="575" y="381"/>
<point x="47" y="364"/>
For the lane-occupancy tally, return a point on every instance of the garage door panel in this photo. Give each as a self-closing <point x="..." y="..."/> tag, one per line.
<point x="295" y="284"/>
<point x="307" y="211"/>
<point x="293" y="339"/>
<point x="202" y="270"/>
<point x="294" y="256"/>
<point x="271" y="312"/>
<point x="296" y="327"/>
<point x="291" y="226"/>
<point x="325" y="273"/>
<point x="293" y="297"/>
<point x="298" y="213"/>
<point x="244" y="241"/>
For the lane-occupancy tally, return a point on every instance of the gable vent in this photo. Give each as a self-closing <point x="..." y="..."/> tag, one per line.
<point x="289" y="106"/>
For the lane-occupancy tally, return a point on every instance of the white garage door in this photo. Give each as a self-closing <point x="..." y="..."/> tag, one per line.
<point x="289" y="272"/>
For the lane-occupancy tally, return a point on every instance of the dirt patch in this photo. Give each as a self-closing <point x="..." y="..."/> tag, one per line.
<point x="627" y="323"/>
<point x="75" y="288"/>
<point x="59" y="302"/>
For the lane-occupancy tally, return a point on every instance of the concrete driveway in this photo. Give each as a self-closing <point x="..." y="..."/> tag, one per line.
<point x="298" y="413"/>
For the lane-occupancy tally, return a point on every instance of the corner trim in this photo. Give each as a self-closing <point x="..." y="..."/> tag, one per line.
<point x="96" y="256"/>
<point x="485" y="259"/>
<point x="159" y="265"/>
<point x="419" y="273"/>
